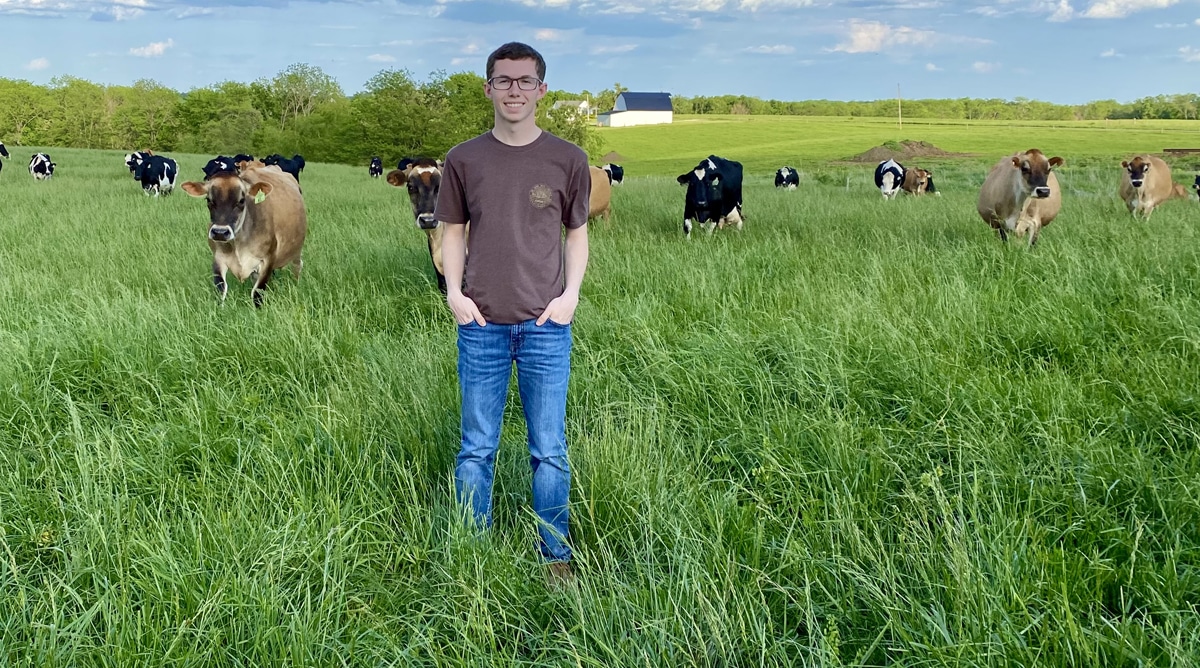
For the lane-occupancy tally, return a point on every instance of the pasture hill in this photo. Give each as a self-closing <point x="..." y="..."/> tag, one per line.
<point x="903" y="152"/>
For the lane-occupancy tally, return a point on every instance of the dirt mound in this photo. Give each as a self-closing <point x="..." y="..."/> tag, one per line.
<point x="901" y="151"/>
<point x="612" y="156"/>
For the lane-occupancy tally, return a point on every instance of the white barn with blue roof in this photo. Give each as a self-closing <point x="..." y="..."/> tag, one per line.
<point x="638" y="109"/>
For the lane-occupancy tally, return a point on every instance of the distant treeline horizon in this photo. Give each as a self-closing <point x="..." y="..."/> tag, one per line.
<point x="304" y="110"/>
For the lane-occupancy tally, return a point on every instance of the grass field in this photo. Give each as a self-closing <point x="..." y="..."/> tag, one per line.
<point x="856" y="433"/>
<point x="765" y="143"/>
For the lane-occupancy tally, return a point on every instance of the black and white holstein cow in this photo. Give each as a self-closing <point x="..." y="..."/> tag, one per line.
<point x="40" y="166"/>
<point x="293" y="165"/>
<point x="787" y="177"/>
<point x="376" y="167"/>
<point x="616" y="173"/>
<point x="221" y="163"/>
<point x="3" y="154"/>
<point x="405" y="163"/>
<point x="132" y="160"/>
<point x="157" y="175"/>
<point x="891" y="177"/>
<point x="1196" y="185"/>
<point x="714" y="195"/>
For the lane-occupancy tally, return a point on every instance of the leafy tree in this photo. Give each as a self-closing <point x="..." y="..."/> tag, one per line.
<point x="145" y="117"/>
<point x="77" y="117"/>
<point x="297" y="90"/>
<point x="23" y="108"/>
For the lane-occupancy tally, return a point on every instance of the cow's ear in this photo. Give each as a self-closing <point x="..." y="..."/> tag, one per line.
<point x="1056" y="162"/>
<point x="259" y="191"/>
<point x="397" y="177"/>
<point x="684" y="178"/>
<point x="1125" y="164"/>
<point x="1016" y="160"/>
<point x="195" y="188"/>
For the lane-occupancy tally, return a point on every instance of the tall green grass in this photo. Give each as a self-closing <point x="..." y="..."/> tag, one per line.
<point x="856" y="433"/>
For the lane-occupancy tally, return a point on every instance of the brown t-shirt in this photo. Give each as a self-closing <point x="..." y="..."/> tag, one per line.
<point x="518" y="199"/>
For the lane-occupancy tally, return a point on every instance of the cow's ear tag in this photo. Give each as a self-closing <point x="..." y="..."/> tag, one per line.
<point x="258" y="199"/>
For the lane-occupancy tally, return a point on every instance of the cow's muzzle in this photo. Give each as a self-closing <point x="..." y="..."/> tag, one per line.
<point x="1137" y="183"/>
<point x="426" y="221"/>
<point x="220" y="233"/>
<point x="1042" y="192"/>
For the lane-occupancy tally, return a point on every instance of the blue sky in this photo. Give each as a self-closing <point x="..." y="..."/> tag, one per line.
<point x="1066" y="51"/>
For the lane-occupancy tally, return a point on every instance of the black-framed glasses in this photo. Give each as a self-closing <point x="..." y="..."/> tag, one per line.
<point x="524" y="83"/>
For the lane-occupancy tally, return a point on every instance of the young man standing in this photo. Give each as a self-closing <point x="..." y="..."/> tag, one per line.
<point x="519" y="187"/>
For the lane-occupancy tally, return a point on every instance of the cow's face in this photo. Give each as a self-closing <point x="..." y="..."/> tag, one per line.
<point x="227" y="197"/>
<point x="423" y="180"/>
<point x="1138" y="170"/>
<point x="921" y="177"/>
<point x="703" y="191"/>
<point x="1035" y="171"/>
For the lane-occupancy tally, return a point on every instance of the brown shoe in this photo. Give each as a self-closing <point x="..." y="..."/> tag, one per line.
<point x="559" y="575"/>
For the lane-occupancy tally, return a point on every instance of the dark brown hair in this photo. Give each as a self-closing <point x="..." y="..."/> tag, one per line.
<point x="516" y="51"/>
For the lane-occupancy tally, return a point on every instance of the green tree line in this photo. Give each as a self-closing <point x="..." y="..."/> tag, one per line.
<point x="1182" y="106"/>
<point x="300" y="110"/>
<point x="304" y="110"/>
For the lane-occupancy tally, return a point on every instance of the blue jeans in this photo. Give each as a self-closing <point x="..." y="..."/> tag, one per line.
<point x="543" y="358"/>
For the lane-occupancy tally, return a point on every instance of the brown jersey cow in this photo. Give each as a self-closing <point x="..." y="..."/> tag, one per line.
<point x="423" y="179"/>
<point x="600" y="200"/>
<point x="257" y="224"/>
<point x="1146" y="183"/>
<point x="1021" y="194"/>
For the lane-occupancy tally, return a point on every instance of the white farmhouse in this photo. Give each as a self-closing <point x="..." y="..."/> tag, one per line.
<point x="578" y="107"/>
<point x="638" y="109"/>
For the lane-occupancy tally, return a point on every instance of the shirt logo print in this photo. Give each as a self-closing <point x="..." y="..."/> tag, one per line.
<point x="540" y="196"/>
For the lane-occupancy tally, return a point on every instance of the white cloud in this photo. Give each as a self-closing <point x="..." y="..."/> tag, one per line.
<point x="983" y="68"/>
<point x="615" y="48"/>
<point x="1168" y="26"/>
<point x="37" y="64"/>
<point x="771" y="50"/>
<point x="1061" y="11"/>
<point x="1111" y="53"/>
<point x="1190" y="54"/>
<point x="873" y="36"/>
<point x="755" y="5"/>
<point x="125" y="13"/>
<point x="381" y="58"/>
<point x="1115" y="9"/>
<point x="550" y="35"/>
<point x="193" y="12"/>
<point x="153" y="49"/>
<point x="930" y="67"/>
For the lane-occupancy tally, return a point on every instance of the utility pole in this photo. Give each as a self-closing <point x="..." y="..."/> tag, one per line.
<point x="899" y="111"/>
